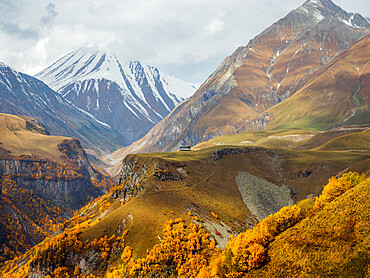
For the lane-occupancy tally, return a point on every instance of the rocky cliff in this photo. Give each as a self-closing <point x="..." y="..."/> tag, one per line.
<point x="66" y="184"/>
<point x="39" y="193"/>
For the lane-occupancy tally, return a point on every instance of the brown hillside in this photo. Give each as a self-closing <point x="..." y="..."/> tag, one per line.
<point x="337" y="94"/>
<point x="199" y="187"/>
<point x="21" y="136"/>
<point x="271" y="68"/>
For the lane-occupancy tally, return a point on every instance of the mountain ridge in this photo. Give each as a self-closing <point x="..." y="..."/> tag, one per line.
<point x="269" y="69"/>
<point x="129" y="96"/>
<point x="28" y="96"/>
<point x="346" y="95"/>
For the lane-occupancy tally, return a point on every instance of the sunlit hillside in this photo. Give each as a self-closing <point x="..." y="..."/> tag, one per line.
<point x="301" y="240"/>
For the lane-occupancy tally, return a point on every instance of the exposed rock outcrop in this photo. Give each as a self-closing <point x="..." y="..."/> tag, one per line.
<point x="165" y="175"/>
<point x="133" y="175"/>
<point x="218" y="154"/>
<point x="262" y="197"/>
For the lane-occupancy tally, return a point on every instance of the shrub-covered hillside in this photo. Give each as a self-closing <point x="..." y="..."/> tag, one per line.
<point x="322" y="237"/>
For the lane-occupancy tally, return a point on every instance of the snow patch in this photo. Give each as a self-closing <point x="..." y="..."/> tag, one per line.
<point x="91" y="116"/>
<point x="139" y="84"/>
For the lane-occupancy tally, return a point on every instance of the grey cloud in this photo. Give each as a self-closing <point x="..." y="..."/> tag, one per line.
<point x="187" y="38"/>
<point x="9" y="11"/>
<point x="50" y="15"/>
<point x="7" y="7"/>
<point x="14" y="30"/>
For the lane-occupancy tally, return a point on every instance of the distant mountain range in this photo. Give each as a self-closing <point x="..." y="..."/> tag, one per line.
<point x="129" y="96"/>
<point x="21" y="94"/>
<point x="94" y="97"/>
<point x="268" y="70"/>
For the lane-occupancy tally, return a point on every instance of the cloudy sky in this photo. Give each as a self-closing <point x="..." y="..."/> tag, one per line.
<point x="186" y="38"/>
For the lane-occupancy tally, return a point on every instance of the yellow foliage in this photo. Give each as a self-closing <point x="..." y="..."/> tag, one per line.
<point x="76" y="271"/>
<point x="126" y="254"/>
<point x="186" y="249"/>
<point x="337" y="187"/>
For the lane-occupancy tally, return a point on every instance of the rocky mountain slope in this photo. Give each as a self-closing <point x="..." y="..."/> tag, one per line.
<point x="28" y="96"/>
<point x="337" y="94"/>
<point x="270" y="68"/>
<point x="42" y="180"/>
<point x="129" y="96"/>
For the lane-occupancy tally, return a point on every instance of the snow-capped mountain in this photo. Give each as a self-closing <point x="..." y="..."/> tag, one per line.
<point x="129" y="96"/>
<point x="21" y="94"/>
<point x="320" y="9"/>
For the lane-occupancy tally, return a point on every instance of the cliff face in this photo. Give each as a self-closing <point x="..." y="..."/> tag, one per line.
<point x="37" y="194"/>
<point x="72" y="150"/>
<point x="67" y="184"/>
<point x="133" y="176"/>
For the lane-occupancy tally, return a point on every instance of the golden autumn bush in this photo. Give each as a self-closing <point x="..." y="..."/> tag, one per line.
<point x="183" y="252"/>
<point x="249" y="249"/>
<point x="337" y="187"/>
<point x="186" y="249"/>
<point x="57" y="253"/>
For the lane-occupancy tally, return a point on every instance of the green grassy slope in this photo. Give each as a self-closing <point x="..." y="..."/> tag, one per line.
<point x="355" y="141"/>
<point x="347" y="138"/>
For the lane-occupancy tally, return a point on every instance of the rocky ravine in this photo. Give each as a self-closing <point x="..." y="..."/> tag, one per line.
<point x="66" y="186"/>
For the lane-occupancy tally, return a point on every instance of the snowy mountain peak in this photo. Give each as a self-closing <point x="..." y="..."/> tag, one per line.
<point x="321" y="9"/>
<point x="88" y="63"/>
<point x="82" y="64"/>
<point x="121" y="93"/>
<point x="5" y="66"/>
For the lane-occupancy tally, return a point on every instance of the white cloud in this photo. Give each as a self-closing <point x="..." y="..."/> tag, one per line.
<point x="40" y="48"/>
<point x="215" y="26"/>
<point x="187" y="38"/>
